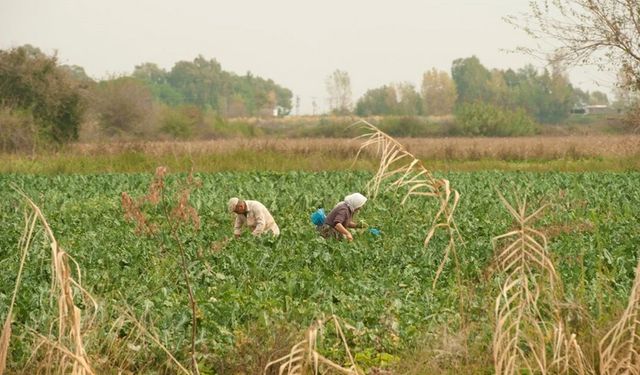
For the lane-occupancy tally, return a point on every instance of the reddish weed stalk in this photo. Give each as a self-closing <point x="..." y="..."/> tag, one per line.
<point x="174" y="217"/>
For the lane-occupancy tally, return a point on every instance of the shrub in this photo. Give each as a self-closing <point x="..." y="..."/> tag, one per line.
<point x="33" y="81"/>
<point x="18" y="130"/>
<point x="123" y="106"/>
<point x="406" y="126"/>
<point x="486" y="119"/>
<point x="181" y="122"/>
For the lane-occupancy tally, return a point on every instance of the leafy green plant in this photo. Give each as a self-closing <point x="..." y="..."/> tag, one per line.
<point x="380" y="285"/>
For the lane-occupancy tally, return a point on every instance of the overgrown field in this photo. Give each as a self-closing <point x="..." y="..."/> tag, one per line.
<point x="559" y="153"/>
<point x="255" y="296"/>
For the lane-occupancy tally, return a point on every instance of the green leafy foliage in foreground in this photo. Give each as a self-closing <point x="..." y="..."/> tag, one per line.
<point x="251" y="286"/>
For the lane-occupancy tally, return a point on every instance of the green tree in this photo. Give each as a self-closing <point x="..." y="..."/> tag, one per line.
<point x="549" y="97"/>
<point x="182" y="122"/>
<point x="409" y="101"/>
<point x="150" y="72"/>
<point x="499" y="91"/>
<point x="199" y="82"/>
<point x="438" y="93"/>
<point x="156" y="79"/>
<point x="471" y="79"/>
<point x="560" y="94"/>
<point x="375" y="102"/>
<point x="203" y="83"/>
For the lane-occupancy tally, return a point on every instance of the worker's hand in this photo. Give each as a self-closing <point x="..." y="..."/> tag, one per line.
<point x="349" y="237"/>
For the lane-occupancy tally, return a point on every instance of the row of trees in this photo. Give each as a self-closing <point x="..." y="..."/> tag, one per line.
<point x="546" y="95"/>
<point x="43" y="102"/>
<point x="203" y="83"/>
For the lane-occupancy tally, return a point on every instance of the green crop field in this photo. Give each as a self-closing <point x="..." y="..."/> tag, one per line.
<point x="255" y="296"/>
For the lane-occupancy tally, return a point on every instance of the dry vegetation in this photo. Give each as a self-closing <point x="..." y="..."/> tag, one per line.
<point x="521" y="148"/>
<point x="304" y="356"/>
<point x="574" y="153"/>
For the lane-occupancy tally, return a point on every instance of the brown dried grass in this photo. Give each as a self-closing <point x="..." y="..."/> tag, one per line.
<point x="462" y="148"/>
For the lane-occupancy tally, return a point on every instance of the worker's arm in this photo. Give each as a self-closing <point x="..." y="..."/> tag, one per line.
<point x="340" y="228"/>
<point x="237" y="226"/>
<point x="353" y="224"/>
<point x="260" y="224"/>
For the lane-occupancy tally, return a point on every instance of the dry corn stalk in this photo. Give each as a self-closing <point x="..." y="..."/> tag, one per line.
<point x="304" y="356"/>
<point x="568" y="357"/>
<point x="406" y="171"/>
<point x="531" y="281"/>
<point x="519" y="336"/>
<point x="68" y="341"/>
<point x="620" y="347"/>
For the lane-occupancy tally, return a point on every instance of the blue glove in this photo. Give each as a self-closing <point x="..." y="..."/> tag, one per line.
<point x="375" y="232"/>
<point x="317" y="218"/>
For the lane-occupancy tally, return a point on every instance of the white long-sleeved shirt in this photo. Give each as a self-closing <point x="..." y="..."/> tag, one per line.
<point x="257" y="218"/>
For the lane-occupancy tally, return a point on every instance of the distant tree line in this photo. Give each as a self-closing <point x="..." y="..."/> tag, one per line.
<point x="547" y="96"/>
<point x="483" y="101"/>
<point x="203" y="83"/>
<point x="43" y="102"/>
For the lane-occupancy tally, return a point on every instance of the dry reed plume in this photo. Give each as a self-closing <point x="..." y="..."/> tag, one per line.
<point x="620" y="347"/>
<point x="304" y="357"/>
<point x="65" y="350"/>
<point x="406" y="171"/>
<point x="528" y="295"/>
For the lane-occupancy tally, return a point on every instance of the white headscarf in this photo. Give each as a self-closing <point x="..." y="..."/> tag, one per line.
<point x="231" y="206"/>
<point x="355" y="200"/>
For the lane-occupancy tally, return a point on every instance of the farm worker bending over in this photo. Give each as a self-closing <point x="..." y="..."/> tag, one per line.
<point x="341" y="218"/>
<point x="254" y="215"/>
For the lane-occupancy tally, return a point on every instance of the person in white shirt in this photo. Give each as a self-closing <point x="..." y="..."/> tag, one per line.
<point x="254" y="215"/>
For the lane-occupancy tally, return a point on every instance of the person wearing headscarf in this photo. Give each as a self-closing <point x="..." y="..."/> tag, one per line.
<point x="252" y="214"/>
<point x="340" y="218"/>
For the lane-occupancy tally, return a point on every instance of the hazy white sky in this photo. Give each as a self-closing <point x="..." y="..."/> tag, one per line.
<point x="296" y="43"/>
